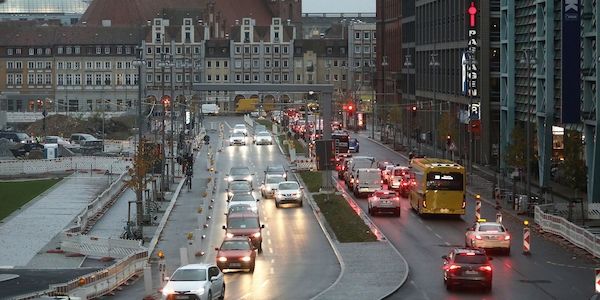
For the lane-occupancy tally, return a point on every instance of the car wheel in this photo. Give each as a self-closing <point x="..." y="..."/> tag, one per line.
<point x="301" y="203"/>
<point x="397" y="213"/>
<point x="260" y="248"/>
<point x="487" y="288"/>
<point x="448" y="286"/>
<point x="507" y="251"/>
<point x="252" y="268"/>
<point x="210" y="295"/>
<point x="369" y="211"/>
<point x="276" y="204"/>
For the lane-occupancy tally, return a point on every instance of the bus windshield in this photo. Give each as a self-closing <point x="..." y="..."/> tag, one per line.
<point x="452" y="181"/>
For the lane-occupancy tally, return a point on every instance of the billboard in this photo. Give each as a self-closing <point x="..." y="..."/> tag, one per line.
<point x="571" y="58"/>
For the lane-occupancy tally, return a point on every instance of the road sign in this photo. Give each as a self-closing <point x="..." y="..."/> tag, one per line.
<point x="526" y="240"/>
<point x="597" y="280"/>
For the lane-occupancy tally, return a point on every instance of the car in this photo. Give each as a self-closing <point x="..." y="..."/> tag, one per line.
<point x="340" y="163"/>
<point x="195" y="281"/>
<point x="263" y="138"/>
<point x="238" y="186"/>
<point x="276" y="170"/>
<point x="236" y="253"/>
<point x="89" y="143"/>
<point x="239" y="173"/>
<point x="289" y="192"/>
<point x="240" y="128"/>
<point x="53" y="139"/>
<point x="397" y="176"/>
<point x="353" y="145"/>
<point x="366" y="181"/>
<point x="386" y="174"/>
<point x="467" y="267"/>
<point x="239" y="208"/>
<point x="237" y="138"/>
<point x="245" y="224"/>
<point x="488" y="235"/>
<point x="358" y="162"/>
<point x="254" y="114"/>
<point x="271" y="182"/>
<point x="384" y="201"/>
<point x="17" y="137"/>
<point x="243" y="198"/>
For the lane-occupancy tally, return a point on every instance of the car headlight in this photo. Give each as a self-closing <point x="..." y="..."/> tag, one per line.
<point x="248" y="178"/>
<point x="167" y="291"/>
<point x="246" y="258"/>
<point x="222" y="259"/>
<point x="199" y="291"/>
<point x="229" y="178"/>
<point x="229" y="235"/>
<point x="256" y="234"/>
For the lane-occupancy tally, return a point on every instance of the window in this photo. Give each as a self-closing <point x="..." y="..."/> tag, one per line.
<point x="149" y="64"/>
<point x="196" y="50"/>
<point x="217" y="64"/>
<point x="69" y="79"/>
<point x="18" y="79"/>
<point x="179" y="77"/>
<point x="342" y="51"/>
<point x="149" y="78"/>
<point x="178" y="50"/>
<point x="18" y="51"/>
<point x="336" y="77"/>
<point x="366" y="35"/>
<point x="285" y="77"/>
<point x="285" y="63"/>
<point x="10" y="79"/>
<point x="255" y="49"/>
<point x="367" y="49"/>
<point x="357" y="35"/>
<point x="119" y="65"/>
<point x="39" y="51"/>
<point x="30" y="78"/>
<point x="10" y="65"/>
<point x="267" y="63"/>
<point x="238" y="49"/>
<point x="286" y="49"/>
<point x="39" y="65"/>
<point x="48" y="51"/>
<point x="246" y="50"/>
<point x="107" y="79"/>
<point x="60" y="65"/>
<point x="128" y="79"/>
<point x="225" y="78"/>
<point x="225" y="64"/>
<point x="98" y="79"/>
<point x="276" y="64"/>
<point x="255" y="63"/>
<point x="98" y="65"/>
<point x="77" y="79"/>
<point x="149" y="50"/>
<point x="18" y="65"/>
<point x="60" y="79"/>
<point x="238" y="77"/>
<point x="276" y="49"/>
<point x="299" y="78"/>
<point x="127" y="50"/>
<point x="158" y="50"/>
<point x="98" y="50"/>
<point x="48" y="79"/>
<point x="68" y="50"/>
<point x="128" y="65"/>
<point x="88" y="79"/>
<point x="356" y="49"/>
<point x="69" y="65"/>
<point x="30" y="65"/>
<point x="9" y="51"/>
<point x="106" y="50"/>
<point x="89" y="65"/>
<point x="120" y="50"/>
<point x="276" y="77"/>
<point x="255" y="77"/>
<point x="343" y="77"/>
<point x="31" y="51"/>
<point x="238" y="64"/>
<point x="335" y="63"/>
<point x="268" y="77"/>
<point x="268" y="49"/>
<point x="217" y="77"/>
<point x="246" y="77"/>
<point x="327" y="77"/>
<point x="209" y="64"/>
<point x="48" y="65"/>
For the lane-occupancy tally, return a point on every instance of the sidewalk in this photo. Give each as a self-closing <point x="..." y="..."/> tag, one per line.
<point x="27" y="233"/>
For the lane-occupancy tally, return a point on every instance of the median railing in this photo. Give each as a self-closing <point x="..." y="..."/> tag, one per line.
<point x="113" y="165"/>
<point x="578" y="236"/>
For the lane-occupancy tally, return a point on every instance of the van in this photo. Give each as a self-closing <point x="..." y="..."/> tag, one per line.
<point x="359" y="162"/>
<point x="89" y="144"/>
<point x="210" y="109"/>
<point x="366" y="181"/>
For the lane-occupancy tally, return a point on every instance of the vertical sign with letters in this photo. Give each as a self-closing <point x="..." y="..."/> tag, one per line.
<point x="470" y="70"/>
<point x="571" y="57"/>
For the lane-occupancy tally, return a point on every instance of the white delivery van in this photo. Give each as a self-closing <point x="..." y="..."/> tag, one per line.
<point x="366" y="182"/>
<point x="210" y="109"/>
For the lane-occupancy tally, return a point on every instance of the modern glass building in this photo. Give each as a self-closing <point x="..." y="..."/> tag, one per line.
<point x="66" y="11"/>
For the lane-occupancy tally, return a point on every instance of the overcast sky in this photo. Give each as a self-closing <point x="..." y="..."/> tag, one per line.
<point x="325" y="6"/>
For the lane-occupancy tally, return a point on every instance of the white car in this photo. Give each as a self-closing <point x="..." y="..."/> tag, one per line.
<point x="488" y="235"/>
<point x="384" y="201"/>
<point x="263" y="138"/>
<point x="270" y="184"/>
<point x="243" y="199"/>
<point x="195" y="281"/>
<point x="288" y="192"/>
<point x="240" y="128"/>
<point x="237" y="138"/>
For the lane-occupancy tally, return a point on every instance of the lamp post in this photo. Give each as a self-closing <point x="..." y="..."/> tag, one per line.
<point x="408" y="64"/>
<point x="163" y="64"/>
<point x="529" y="62"/>
<point x="384" y="63"/>
<point x="434" y="64"/>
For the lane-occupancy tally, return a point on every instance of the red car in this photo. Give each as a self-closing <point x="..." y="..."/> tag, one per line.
<point x="245" y="224"/>
<point x="236" y="253"/>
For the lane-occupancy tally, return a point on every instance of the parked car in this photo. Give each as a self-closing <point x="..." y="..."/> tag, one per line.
<point x="236" y="253"/>
<point x="88" y="143"/>
<point x="17" y="137"/>
<point x="195" y="281"/>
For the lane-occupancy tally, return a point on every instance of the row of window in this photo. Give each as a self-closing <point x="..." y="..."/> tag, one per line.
<point x="267" y="49"/>
<point x="97" y="79"/>
<point x="70" y="50"/>
<point x="367" y="34"/>
<point x="255" y="63"/>
<point x="284" y="77"/>
<point x="89" y="65"/>
<point x="167" y="50"/>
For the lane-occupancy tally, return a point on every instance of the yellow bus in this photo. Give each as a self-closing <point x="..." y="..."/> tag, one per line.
<point x="246" y="105"/>
<point x="440" y="187"/>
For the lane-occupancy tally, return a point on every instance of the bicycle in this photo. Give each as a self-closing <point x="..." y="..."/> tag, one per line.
<point x="188" y="181"/>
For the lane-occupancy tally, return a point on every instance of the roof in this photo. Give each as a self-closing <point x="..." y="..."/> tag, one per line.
<point x="320" y="47"/>
<point x="36" y="35"/>
<point x="232" y="10"/>
<point x="434" y="163"/>
<point x="196" y="266"/>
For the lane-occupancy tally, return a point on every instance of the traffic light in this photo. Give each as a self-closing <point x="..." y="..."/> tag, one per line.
<point x="165" y="100"/>
<point x="351" y="109"/>
<point x="448" y="141"/>
<point x="414" y="111"/>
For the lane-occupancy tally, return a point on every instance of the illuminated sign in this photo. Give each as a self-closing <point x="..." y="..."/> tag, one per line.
<point x="471" y="65"/>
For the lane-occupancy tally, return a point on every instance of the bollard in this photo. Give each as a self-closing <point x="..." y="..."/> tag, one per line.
<point x="197" y="240"/>
<point x="499" y="217"/>
<point x="148" y="290"/>
<point x="526" y="238"/>
<point x="183" y="256"/>
<point x="162" y="267"/>
<point x="477" y="207"/>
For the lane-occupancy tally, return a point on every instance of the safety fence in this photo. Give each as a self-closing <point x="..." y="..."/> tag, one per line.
<point x="249" y="120"/>
<point x="99" y="247"/>
<point x="578" y="236"/>
<point x="82" y="164"/>
<point x="304" y="164"/>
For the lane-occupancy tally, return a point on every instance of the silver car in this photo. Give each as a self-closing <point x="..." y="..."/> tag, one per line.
<point x="263" y="138"/>
<point x="239" y="173"/>
<point x="240" y="128"/>
<point x="270" y="185"/>
<point x="288" y="192"/>
<point x="238" y="186"/>
<point x="237" y="138"/>
<point x="243" y="199"/>
<point x="195" y="281"/>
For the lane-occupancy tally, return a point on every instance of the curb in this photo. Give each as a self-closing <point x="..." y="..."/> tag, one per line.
<point x="379" y="234"/>
<point x="320" y="220"/>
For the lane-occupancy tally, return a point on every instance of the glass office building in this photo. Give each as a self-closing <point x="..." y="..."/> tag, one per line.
<point x="66" y="11"/>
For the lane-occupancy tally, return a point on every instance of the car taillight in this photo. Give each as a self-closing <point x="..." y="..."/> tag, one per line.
<point x="464" y="203"/>
<point x="478" y="237"/>
<point x="397" y="198"/>
<point x="256" y="234"/>
<point x="381" y="181"/>
<point x="486" y="268"/>
<point x="424" y="203"/>
<point x="451" y="267"/>
<point x="507" y="237"/>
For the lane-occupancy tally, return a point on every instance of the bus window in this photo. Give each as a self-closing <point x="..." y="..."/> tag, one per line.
<point x="445" y="181"/>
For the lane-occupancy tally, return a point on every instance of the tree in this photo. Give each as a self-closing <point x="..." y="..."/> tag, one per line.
<point x="574" y="166"/>
<point x="515" y="154"/>
<point x="143" y="162"/>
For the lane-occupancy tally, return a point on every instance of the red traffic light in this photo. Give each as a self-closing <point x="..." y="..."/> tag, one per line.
<point x="414" y="108"/>
<point x="350" y="107"/>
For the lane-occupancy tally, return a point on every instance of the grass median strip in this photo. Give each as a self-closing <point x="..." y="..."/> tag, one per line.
<point x="346" y="224"/>
<point x="15" y="194"/>
<point x="313" y="180"/>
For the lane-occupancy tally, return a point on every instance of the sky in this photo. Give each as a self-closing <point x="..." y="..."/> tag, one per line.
<point x="338" y="6"/>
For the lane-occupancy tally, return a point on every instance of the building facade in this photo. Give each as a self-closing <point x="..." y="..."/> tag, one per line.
<point x="66" y="12"/>
<point x="450" y="77"/>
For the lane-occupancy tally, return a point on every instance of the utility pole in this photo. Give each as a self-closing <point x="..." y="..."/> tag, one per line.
<point x="384" y="63"/>
<point x="171" y="65"/>
<point x="529" y="61"/>
<point x="408" y="64"/>
<point x="433" y="63"/>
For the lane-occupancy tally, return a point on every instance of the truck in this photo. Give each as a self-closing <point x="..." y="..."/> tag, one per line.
<point x="210" y="109"/>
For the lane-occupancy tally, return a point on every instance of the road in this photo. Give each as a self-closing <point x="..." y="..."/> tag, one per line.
<point x="551" y="272"/>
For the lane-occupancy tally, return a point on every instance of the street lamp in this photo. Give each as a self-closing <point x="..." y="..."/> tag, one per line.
<point x="139" y="63"/>
<point x="408" y="64"/>
<point x="434" y="64"/>
<point x="529" y="61"/>
<point x="384" y="63"/>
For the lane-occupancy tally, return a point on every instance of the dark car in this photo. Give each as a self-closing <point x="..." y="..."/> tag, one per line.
<point x="467" y="267"/>
<point x="353" y="145"/>
<point x="245" y="224"/>
<point x="17" y="137"/>
<point x="238" y="186"/>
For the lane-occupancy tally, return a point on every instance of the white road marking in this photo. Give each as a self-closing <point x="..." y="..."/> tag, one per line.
<point x="420" y="221"/>
<point x="270" y="250"/>
<point x="428" y="228"/>
<point x="439" y="237"/>
<point x="447" y="244"/>
<point x="272" y="271"/>
<point x="423" y="292"/>
<point x="264" y="283"/>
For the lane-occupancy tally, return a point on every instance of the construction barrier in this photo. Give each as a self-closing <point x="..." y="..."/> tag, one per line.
<point x="101" y="164"/>
<point x="304" y="164"/>
<point x="99" y="247"/>
<point x="526" y="240"/>
<point x="477" y="207"/>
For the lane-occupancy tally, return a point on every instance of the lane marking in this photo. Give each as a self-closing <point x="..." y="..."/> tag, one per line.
<point x="270" y="250"/>
<point x="439" y="237"/>
<point x="272" y="271"/>
<point x="420" y="221"/>
<point x="269" y="241"/>
<point x="428" y="228"/>
<point x="447" y="244"/>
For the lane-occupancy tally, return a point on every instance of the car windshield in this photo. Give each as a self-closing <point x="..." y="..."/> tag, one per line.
<point x="263" y="134"/>
<point x="274" y="179"/>
<point x="386" y="195"/>
<point x="240" y="171"/>
<point x="242" y="197"/>
<point x="470" y="259"/>
<point x="491" y="227"/>
<point x="22" y="136"/>
<point x="51" y="140"/>
<point x="242" y="223"/>
<point x="189" y="275"/>
<point x="240" y="208"/>
<point x="399" y="172"/>
<point x="275" y="169"/>
<point x="289" y="186"/>
<point x="240" y="126"/>
<point x="235" y="245"/>
<point x="353" y="141"/>
<point x="237" y="134"/>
